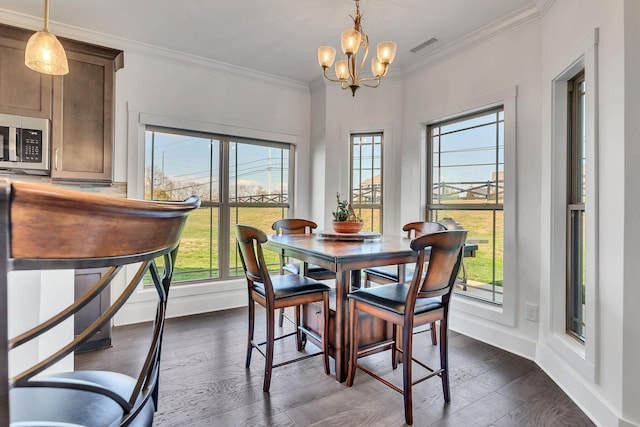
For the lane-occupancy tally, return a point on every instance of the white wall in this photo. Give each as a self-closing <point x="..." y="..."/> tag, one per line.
<point x="503" y="69"/>
<point x="178" y="91"/>
<point x="530" y="58"/>
<point x="34" y="297"/>
<point x="370" y="110"/>
<point x="631" y="290"/>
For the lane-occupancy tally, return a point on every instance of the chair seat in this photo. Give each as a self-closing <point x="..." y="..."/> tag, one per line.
<point x="390" y="272"/>
<point x="392" y="297"/>
<point x="292" y="285"/>
<point x="52" y="406"/>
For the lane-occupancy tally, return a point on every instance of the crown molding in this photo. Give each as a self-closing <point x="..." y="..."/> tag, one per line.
<point x="129" y="46"/>
<point x="488" y="32"/>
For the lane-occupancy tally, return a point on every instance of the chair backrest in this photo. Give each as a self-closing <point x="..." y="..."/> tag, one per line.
<point x="294" y="226"/>
<point x="46" y="228"/>
<point x="451" y="224"/>
<point x="250" y="240"/>
<point x="445" y="255"/>
<point x="420" y="228"/>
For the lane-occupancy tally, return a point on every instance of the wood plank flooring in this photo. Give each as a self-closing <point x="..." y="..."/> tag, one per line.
<point x="203" y="382"/>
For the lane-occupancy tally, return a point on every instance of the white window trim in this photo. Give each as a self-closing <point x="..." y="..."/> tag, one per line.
<point x="193" y="298"/>
<point x="389" y="162"/>
<point x="505" y="314"/>
<point x="583" y="357"/>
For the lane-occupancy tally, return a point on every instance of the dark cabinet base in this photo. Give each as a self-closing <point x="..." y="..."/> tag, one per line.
<point x="370" y="330"/>
<point x="84" y="280"/>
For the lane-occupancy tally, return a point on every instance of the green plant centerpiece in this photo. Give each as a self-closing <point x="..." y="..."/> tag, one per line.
<point x="345" y="219"/>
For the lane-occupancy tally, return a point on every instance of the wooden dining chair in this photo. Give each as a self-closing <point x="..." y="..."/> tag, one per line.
<point x="452" y="224"/>
<point x="298" y="226"/>
<point x="275" y="293"/>
<point x="389" y="273"/>
<point x="425" y="300"/>
<point x="46" y="228"/>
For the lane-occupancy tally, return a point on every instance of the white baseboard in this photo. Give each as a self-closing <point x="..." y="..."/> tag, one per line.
<point x="580" y="390"/>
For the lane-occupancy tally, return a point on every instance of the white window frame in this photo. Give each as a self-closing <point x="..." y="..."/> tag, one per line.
<point x="581" y="356"/>
<point x="197" y="297"/>
<point x="465" y="307"/>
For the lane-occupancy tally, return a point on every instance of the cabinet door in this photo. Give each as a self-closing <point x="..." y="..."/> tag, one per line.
<point x="83" y="120"/>
<point x="22" y="91"/>
<point x="84" y="280"/>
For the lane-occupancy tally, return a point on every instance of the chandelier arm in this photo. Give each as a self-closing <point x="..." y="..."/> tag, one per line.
<point x="351" y="64"/>
<point x="365" y="41"/>
<point x="365" y="82"/>
<point x="332" y="79"/>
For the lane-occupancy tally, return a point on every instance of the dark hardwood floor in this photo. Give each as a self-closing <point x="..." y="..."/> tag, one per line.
<point x="204" y="383"/>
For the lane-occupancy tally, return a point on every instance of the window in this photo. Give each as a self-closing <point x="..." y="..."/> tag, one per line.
<point x="238" y="180"/>
<point x="366" y="179"/>
<point x="576" y="215"/>
<point x="466" y="189"/>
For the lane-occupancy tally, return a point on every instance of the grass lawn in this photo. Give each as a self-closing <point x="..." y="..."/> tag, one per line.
<point x="198" y="255"/>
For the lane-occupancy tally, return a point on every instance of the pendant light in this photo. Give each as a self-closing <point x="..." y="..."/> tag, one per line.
<point x="348" y="73"/>
<point x="44" y="53"/>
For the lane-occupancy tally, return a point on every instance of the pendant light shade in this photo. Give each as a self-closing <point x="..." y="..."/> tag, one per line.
<point x="44" y="53"/>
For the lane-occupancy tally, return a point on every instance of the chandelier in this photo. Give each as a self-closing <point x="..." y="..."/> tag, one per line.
<point x="348" y="71"/>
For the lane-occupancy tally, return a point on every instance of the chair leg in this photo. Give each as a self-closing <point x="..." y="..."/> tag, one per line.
<point x="407" y="344"/>
<point x="325" y="333"/>
<point x="268" y="364"/>
<point x="281" y="319"/>
<point x="434" y="339"/>
<point x="394" y="349"/>
<point x="299" y="341"/>
<point x="353" y="343"/>
<point x="444" y="360"/>
<point x="252" y="314"/>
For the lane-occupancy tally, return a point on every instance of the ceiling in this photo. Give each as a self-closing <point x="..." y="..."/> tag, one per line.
<point x="277" y="37"/>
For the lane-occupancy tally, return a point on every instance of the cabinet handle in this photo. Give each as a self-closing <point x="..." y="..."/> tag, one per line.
<point x="56" y="159"/>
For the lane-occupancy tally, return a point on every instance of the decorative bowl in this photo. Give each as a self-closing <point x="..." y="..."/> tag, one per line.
<point x="347" y="226"/>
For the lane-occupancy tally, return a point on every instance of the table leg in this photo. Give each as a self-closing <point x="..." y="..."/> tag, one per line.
<point x="356" y="279"/>
<point x="342" y="325"/>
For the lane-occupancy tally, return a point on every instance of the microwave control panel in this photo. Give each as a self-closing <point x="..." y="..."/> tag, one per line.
<point x="31" y="145"/>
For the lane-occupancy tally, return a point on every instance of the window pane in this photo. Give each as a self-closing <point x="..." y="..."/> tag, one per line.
<point x="198" y="256"/>
<point x="258" y="174"/>
<point x="481" y="274"/>
<point x="177" y="166"/>
<point x="576" y="216"/>
<point x="468" y="164"/>
<point x="366" y="179"/>
<point x="261" y="218"/>
<point x="181" y="163"/>
<point x="577" y="274"/>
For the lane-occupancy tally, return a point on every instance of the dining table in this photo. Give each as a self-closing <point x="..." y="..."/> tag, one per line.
<point x="346" y="255"/>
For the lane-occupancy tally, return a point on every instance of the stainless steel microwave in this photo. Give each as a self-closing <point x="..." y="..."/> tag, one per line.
<point x="24" y="144"/>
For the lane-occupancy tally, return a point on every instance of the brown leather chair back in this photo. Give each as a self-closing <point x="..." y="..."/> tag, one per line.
<point x="294" y="226"/>
<point x="420" y="228"/>
<point x="445" y="256"/>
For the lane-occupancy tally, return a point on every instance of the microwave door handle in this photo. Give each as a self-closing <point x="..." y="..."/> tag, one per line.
<point x="13" y="154"/>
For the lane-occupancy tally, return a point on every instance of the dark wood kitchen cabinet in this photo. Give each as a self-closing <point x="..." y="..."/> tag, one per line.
<point x="80" y="104"/>
<point x="23" y="91"/>
<point x="83" y="114"/>
<point x="84" y="280"/>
